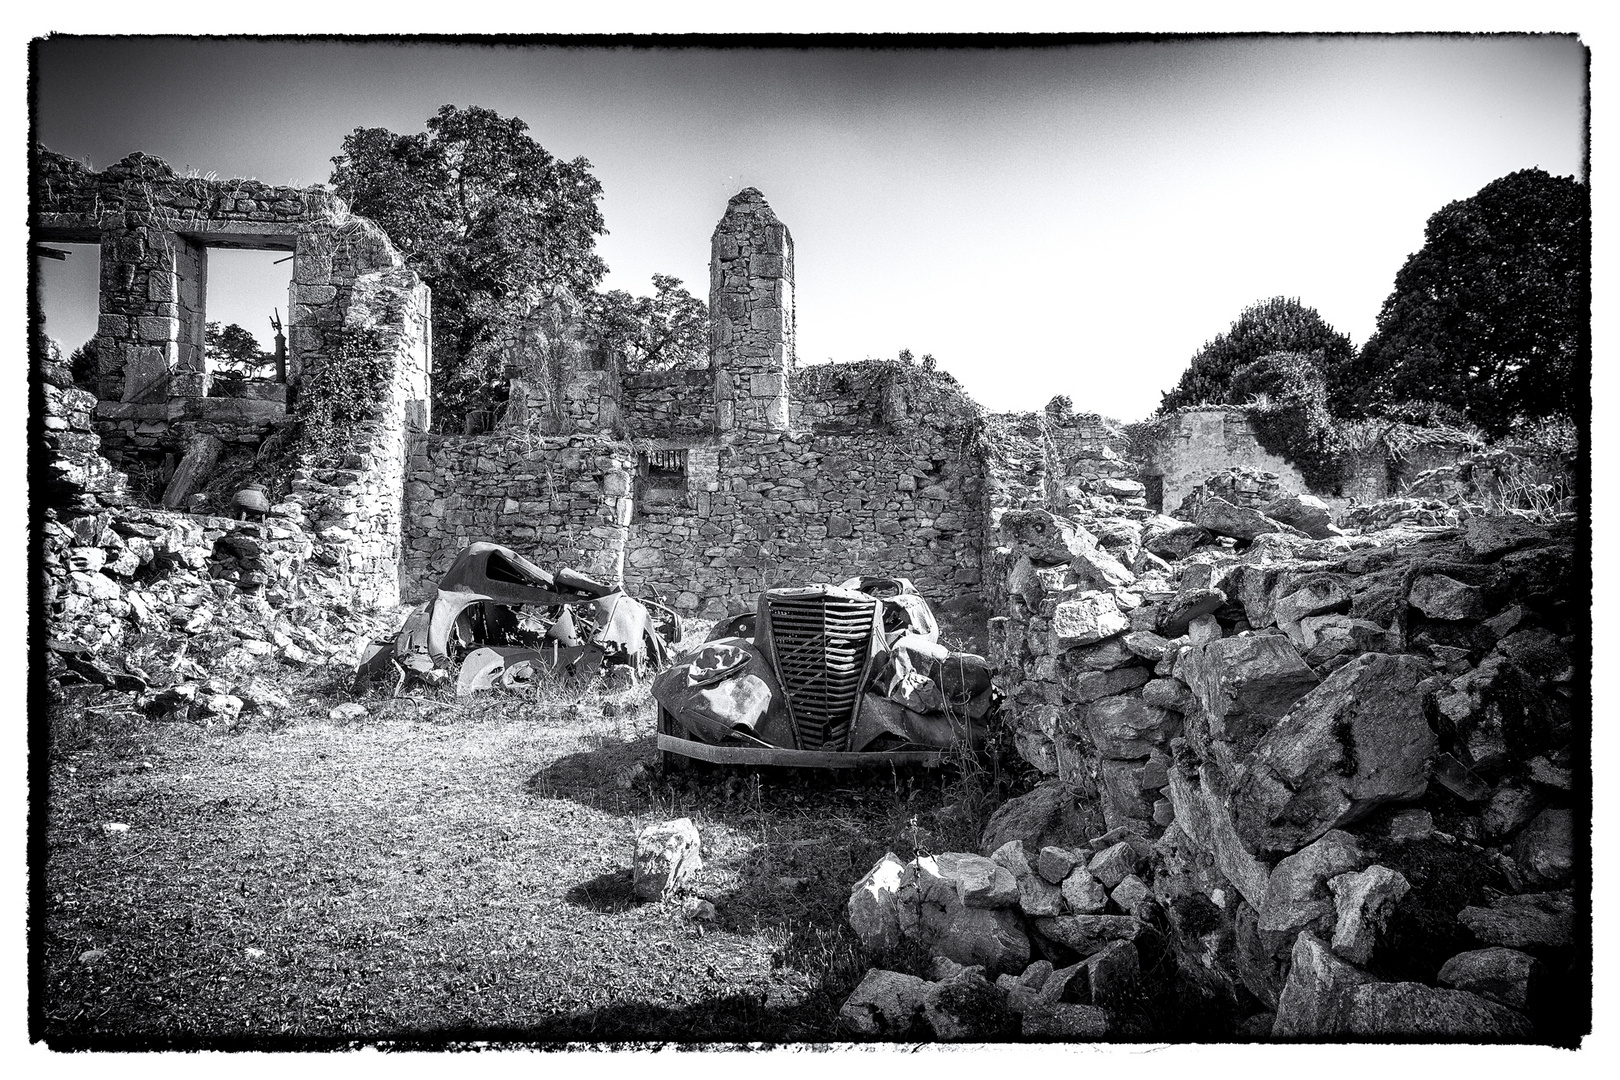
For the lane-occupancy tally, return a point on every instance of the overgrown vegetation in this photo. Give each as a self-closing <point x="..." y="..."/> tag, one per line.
<point x="490" y="220"/>
<point x="338" y="396"/>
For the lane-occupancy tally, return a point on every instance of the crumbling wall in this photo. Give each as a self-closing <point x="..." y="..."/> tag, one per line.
<point x="752" y="316"/>
<point x="565" y="379"/>
<point x="154" y="228"/>
<point x="669" y="404"/>
<point x="1195" y="443"/>
<point x="562" y="500"/>
<point x="357" y="508"/>
<point x="800" y="507"/>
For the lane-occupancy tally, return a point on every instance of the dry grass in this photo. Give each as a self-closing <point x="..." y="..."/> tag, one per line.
<point x="445" y="869"/>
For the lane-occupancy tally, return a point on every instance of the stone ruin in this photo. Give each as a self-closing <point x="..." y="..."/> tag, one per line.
<point x="1262" y="722"/>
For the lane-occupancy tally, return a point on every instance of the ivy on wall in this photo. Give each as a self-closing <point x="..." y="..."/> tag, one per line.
<point x="337" y="397"/>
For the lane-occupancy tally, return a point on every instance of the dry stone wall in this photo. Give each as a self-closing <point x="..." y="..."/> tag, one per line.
<point x="561" y="500"/>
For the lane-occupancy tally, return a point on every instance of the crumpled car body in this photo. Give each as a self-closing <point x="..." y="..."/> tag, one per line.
<point x="829" y="676"/>
<point x="507" y="619"/>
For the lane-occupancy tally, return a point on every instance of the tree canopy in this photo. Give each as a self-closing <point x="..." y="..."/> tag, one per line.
<point x="1278" y="325"/>
<point x="490" y="220"/>
<point x="1492" y="314"/>
<point x="234" y="348"/>
<point x="662" y="332"/>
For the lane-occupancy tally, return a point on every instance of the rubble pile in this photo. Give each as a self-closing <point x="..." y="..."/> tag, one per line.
<point x="1065" y="930"/>
<point x="1343" y="766"/>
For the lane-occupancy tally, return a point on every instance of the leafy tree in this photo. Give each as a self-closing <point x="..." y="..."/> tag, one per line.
<point x="662" y="332"/>
<point x="1492" y="315"/>
<point x="234" y="348"/>
<point x="491" y="221"/>
<point x="1272" y="326"/>
<point x="83" y="365"/>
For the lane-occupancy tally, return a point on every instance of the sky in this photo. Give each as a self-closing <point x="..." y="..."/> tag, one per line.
<point x="1075" y="220"/>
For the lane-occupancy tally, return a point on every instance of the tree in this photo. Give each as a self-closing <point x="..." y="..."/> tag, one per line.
<point x="662" y="332"/>
<point x="1277" y="325"/>
<point x="1492" y="314"/>
<point x="490" y="220"/>
<point x="235" y="349"/>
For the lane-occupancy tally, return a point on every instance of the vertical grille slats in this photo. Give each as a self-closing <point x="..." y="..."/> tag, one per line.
<point x="821" y="643"/>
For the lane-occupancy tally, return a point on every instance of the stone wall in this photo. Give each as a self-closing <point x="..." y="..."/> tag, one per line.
<point x="752" y="316"/>
<point x="561" y="500"/>
<point x="800" y="507"/>
<point x="670" y="404"/>
<point x="155" y="228"/>
<point x="1195" y="443"/>
<point x="358" y="508"/>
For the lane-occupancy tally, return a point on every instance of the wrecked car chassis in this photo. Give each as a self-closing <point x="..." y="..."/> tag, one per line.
<point x="507" y="621"/>
<point x="824" y="676"/>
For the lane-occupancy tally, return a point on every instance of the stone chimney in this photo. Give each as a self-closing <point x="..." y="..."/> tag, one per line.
<point x="751" y="316"/>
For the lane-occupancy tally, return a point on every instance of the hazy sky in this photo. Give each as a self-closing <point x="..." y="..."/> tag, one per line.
<point x="1073" y="220"/>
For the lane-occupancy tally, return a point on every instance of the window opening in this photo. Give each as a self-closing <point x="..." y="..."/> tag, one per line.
<point x="70" y="299"/>
<point x="245" y="309"/>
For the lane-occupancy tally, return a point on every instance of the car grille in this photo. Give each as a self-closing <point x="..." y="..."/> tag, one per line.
<point x="821" y="645"/>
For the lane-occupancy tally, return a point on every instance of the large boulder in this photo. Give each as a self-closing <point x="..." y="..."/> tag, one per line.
<point x="872" y="909"/>
<point x="1364" y="900"/>
<point x="886" y="1004"/>
<point x="1356" y="742"/>
<point x="1317" y="983"/>
<point x="1524" y="921"/>
<point x="1088" y="934"/>
<point x="1441" y="597"/>
<point x="1202" y="802"/>
<point x="1506" y="976"/>
<point x="1319" y="594"/>
<point x="1126" y="727"/>
<point x="1084" y="685"/>
<point x="980" y="883"/>
<point x="1545" y="849"/>
<point x="967" y="1007"/>
<point x="667" y="855"/>
<point x="1239" y="522"/>
<point x="1297" y="896"/>
<point x="1089" y="617"/>
<point x="1049" y="814"/>
<point x="1410" y="1009"/>
<point x="932" y="914"/>
<point x="1306" y="513"/>
<point x="1171" y="538"/>
<point x="1244" y="685"/>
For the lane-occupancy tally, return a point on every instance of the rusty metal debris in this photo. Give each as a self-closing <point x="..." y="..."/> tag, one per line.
<point x="826" y="676"/>
<point x="506" y="621"/>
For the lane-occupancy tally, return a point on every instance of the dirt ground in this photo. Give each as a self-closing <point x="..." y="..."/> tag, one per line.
<point x="442" y="871"/>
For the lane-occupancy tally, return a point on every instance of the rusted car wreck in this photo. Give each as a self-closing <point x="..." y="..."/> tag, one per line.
<point x="825" y="676"/>
<point x="506" y="620"/>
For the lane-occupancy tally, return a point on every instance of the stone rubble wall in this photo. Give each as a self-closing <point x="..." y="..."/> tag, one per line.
<point x="670" y="404"/>
<point x="797" y="508"/>
<point x="752" y="328"/>
<point x="154" y="227"/>
<point x="748" y="514"/>
<point x="565" y="380"/>
<point x="358" y="509"/>
<point x="560" y="500"/>
<point x="1303" y="727"/>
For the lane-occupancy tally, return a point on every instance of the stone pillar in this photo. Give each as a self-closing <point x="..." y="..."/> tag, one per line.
<point x="751" y="348"/>
<point x="150" y="335"/>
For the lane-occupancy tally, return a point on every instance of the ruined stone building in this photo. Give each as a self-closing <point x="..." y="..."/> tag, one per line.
<point x="703" y="487"/>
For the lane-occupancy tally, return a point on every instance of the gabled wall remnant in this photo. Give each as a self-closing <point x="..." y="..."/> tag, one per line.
<point x="155" y="228"/>
<point x="751" y="328"/>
